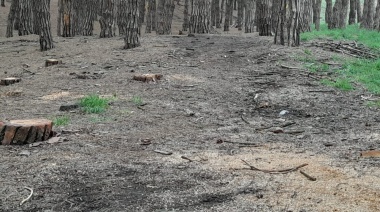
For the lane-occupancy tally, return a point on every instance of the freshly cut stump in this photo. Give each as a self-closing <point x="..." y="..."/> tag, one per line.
<point x="25" y="131"/>
<point x="9" y="81"/>
<point x="51" y="62"/>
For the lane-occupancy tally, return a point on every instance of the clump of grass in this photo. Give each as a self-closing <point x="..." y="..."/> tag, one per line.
<point x="137" y="101"/>
<point x="341" y="83"/>
<point x="366" y="72"/>
<point x="61" y="121"/>
<point x="93" y="104"/>
<point x="373" y="103"/>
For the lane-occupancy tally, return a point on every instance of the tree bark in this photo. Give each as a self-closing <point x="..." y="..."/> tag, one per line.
<point x="376" y="20"/>
<point x="43" y="15"/>
<point x="368" y="14"/>
<point x="317" y="14"/>
<point x="263" y="14"/>
<point x="185" y="25"/>
<point x="228" y="16"/>
<point x="18" y="132"/>
<point x="200" y="16"/>
<point x="26" y="18"/>
<point x="11" y="18"/>
<point x="3" y="3"/>
<point x="141" y="12"/>
<point x="131" y="14"/>
<point x="359" y="12"/>
<point x="239" y="23"/>
<point x="328" y="12"/>
<point x="165" y="11"/>
<point x="249" y="23"/>
<point x="339" y="17"/>
<point x="150" y="16"/>
<point x="106" y="19"/>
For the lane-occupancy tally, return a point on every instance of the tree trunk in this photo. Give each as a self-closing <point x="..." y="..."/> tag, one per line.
<point x="89" y="12"/>
<point x="222" y="11"/>
<point x="328" y="12"/>
<point x="263" y="14"/>
<point x="228" y="16"/>
<point x="18" y="132"/>
<point x="131" y="14"/>
<point x="368" y="14"/>
<point x="339" y="17"/>
<point x="249" y="23"/>
<point x="185" y="24"/>
<point x="200" y="16"/>
<point x="359" y="11"/>
<point x="141" y="12"/>
<point x="317" y="14"/>
<point x="239" y="23"/>
<point x="11" y="18"/>
<point x="3" y="3"/>
<point x="26" y="18"/>
<point x="376" y="24"/>
<point x="352" y="14"/>
<point x="43" y="15"/>
<point x="106" y="19"/>
<point x="165" y="11"/>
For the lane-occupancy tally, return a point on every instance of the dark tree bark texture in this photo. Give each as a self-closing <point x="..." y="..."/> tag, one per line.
<point x="43" y="15"/>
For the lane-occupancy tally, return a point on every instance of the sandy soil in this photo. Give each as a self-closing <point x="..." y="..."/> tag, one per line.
<point x="217" y="104"/>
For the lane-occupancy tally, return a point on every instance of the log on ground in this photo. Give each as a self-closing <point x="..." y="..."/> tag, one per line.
<point x="9" y="81"/>
<point x="18" y="132"/>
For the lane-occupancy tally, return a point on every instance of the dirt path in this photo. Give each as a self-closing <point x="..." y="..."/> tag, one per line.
<point x="219" y="94"/>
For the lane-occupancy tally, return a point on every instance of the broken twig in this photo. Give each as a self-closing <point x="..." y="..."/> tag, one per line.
<point x="162" y="152"/>
<point x="308" y="176"/>
<point x="242" y="118"/>
<point x="281" y="171"/>
<point x="186" y="158"/>
<point x="30" y="195"/>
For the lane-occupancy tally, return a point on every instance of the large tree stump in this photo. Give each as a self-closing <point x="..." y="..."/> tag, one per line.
<point x="25" y="131"/>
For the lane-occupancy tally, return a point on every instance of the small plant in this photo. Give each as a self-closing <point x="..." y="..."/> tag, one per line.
<point x="61" y="121"/>
<point x="342" y="84"/>
<point x="94" y="104"/>
<point x="308" y="52"/>
<point x="137" y="101"/>
<point x="373" y="103"/>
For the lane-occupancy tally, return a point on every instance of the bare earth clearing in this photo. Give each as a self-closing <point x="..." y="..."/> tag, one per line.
<point x="205" y="109"/>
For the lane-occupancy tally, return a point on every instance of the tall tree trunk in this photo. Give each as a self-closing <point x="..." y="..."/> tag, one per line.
<point x="317" y="14"/>
<point x="376" y="20"/>
<point x="217" y="14"/>
<point x="3" y="3"/>
<point x="368" y="14"/>
<point x="263" y="14"/>
<point x="106" y="19"/>
<point x="151" y="16"/>
<point x="352" y="14"/>
<point x="87" y="21"/>
<point x="131" y="14"/>
<point x="228" y="16"/>
<point x="359" y="12"/>
<point x="222" y="10"/>
<point x="339" y="17"/>
<point x="200" y="16"/>
<point x="239" y="23"/>
<point x="185" y="24"/>
<point x="26" y="18"/>
<point x="329" y="12"/>
<point x="250" y="9"/>
<point x="141" y="12"/>
<point x="43" y="15"/>
<point x="281" y="6"/>
<point x="11" y="18"/>
<point x="165" y="11"/>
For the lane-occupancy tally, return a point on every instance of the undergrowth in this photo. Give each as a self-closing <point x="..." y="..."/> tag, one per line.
<point x="94" y="104"/>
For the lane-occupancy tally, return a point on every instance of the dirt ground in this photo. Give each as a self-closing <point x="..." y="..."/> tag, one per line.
<point x="217" y="104"/>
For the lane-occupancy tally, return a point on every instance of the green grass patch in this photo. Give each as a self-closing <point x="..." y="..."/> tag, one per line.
<point x="341" y="83"/>
<point x="373" y="103"/>
<point x="370" y="38"/>
<point x="94" y="104"/>
<point x="137" y="101"/>
<point x="61" y="121"/>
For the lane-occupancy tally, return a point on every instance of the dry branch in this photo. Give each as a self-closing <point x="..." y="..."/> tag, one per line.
<point x="349" y="48"/>
<point x="281" y="171"/>
<point x="308" y="176"/>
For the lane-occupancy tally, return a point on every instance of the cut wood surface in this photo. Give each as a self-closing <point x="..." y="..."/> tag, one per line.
<point x="148" y="77"/>
<point x="25" y="131"/>
<point x="51" y="62"/>
<point x="9" y="81"/>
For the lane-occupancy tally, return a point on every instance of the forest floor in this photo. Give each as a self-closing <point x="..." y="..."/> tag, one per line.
<point x="219" y="103"/>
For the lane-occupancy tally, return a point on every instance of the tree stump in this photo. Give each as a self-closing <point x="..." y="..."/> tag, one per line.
<point x="51" y="62"/>
<point x="18" y="132"/>
<point x="9" y="81"/>
<point x="148" y="77"/>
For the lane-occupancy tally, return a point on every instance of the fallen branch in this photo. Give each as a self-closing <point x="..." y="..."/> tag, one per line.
<point x="308" y="176"/>
<point x="30" y="195"/>
<point x="162" y="152"/>
<point x="281" y="171"/>
<point x="186" y="158"/>
<point x="243" y="143"/>
<point x="242" y="118"/>
<point x="289" y="67"/>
